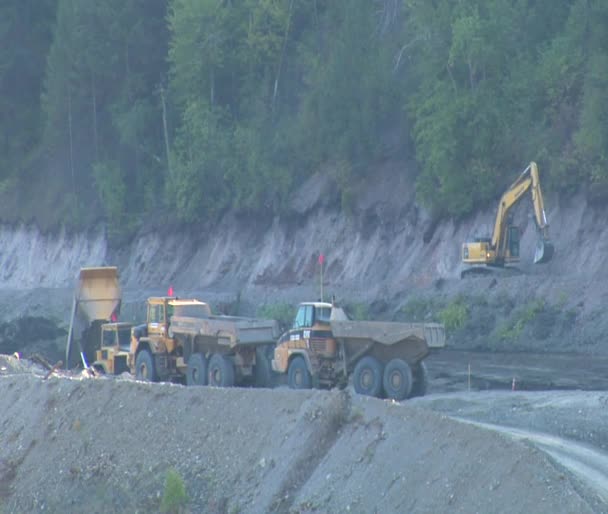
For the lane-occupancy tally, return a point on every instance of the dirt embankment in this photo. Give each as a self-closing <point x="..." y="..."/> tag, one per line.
<point x="106" y="445"/>
<point x="386" y="256"/>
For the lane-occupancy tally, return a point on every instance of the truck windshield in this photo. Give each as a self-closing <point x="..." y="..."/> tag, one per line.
<point x="124" y="337"/>
<point x="191" y="311"/>
<point x="303" y="317"/>
<point x="323" y="314"/>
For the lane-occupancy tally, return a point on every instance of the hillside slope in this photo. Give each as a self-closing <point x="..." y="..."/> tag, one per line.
<point x="386" y="254"/>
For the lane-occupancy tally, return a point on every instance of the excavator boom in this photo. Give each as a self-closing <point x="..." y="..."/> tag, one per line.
<point x="503" y="247"/>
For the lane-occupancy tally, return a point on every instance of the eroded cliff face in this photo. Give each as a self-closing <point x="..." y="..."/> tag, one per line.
<point x="386" y="248"/>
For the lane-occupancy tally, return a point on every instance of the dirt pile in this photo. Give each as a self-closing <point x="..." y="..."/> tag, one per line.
<point x="107" y="445"/>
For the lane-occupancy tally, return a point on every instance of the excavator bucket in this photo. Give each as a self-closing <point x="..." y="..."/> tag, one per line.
<point x="544" y="251"/>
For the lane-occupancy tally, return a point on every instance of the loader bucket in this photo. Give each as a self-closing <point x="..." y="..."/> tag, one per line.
<point x="98" y="292"/>
<point x="544" y="251"/>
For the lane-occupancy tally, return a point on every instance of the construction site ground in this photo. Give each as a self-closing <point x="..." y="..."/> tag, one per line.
<point x="495" y="434"/>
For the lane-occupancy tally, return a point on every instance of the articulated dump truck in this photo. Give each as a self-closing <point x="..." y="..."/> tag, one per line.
<point x="94" y="340"/>
<point x="182" y="339"/>
<point x="385" y="359"/>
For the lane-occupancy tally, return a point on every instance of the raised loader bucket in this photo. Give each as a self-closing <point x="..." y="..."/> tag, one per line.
<point x="98" y="293"/>
<point x="96" y="298"/>
<point x="544" y="251"/>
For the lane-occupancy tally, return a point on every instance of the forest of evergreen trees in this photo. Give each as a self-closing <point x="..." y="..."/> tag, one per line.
<point x="191" y="107"/>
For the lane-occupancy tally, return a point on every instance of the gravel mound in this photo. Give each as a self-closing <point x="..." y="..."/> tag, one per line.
<point x="106" y="445"/>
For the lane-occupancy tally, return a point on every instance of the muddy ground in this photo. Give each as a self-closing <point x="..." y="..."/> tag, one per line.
<point x="107" y="445"/>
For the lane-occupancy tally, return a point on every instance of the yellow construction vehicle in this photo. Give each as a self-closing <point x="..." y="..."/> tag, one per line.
<point x="502" y="249"/>
<point x="182" y="340"/>
<point x="112" y="357"/>
<point x="97" y="300"/>
<point x="324" y="348"/>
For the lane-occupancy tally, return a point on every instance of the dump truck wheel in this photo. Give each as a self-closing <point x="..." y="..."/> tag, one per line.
<point x="421" y="379"/>
<point x="298" y="376"/>
<point x="397" y="379"/>
<point x="263" y="371"/>
<point x="196" y="373"/>
<point x="367" y="377"/>
<point x="221" y="371"/>
<point x="144" y="366"/>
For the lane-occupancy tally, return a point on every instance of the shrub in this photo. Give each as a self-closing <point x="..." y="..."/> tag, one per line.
<point x="419" y="309"/>
<point x="174" y="497"/>
<point x="282" y="312"/>
<point x="512" y="330"/>
<point x="454" y="315"/>
<point x="357" y="311"/>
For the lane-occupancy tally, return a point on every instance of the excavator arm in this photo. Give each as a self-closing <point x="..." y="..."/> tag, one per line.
<point x="503" y="246"/>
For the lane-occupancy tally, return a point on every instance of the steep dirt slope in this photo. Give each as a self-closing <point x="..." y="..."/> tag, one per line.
<point x="382" y="245"/>
<point x="105" y="445"/>
<point x="383" y="252"/>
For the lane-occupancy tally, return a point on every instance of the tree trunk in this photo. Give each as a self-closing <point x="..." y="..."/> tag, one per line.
<point x="165" y="129"/>
<point x="71" y="142"/>
<point x="95" y="140"/>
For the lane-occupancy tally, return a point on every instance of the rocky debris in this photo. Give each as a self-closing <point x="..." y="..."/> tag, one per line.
<point x="106" y="444"/>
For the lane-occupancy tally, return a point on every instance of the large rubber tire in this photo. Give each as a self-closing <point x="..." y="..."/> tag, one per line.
<point x="367" y="377"/>
<point x="221" y="371"/>
<point x="196" y="373"/>
<point x="421" y="380"/>
<point x="397" y="380"/>
<point x="298" y="376"/>
<point x="144" y="367"/>
<point x="263" y="370"/>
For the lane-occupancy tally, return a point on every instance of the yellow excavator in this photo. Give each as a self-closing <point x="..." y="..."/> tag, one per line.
<point x="502" y="249"/>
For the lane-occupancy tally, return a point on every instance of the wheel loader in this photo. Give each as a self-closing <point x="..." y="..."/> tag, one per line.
<point x="97" y="300"/>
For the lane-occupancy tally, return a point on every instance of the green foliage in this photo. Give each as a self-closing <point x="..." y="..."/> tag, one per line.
<point x="100" y="100"/>
<point x="111" y="186"/>
<point x="455" y="314"/>
<point x="174" y="498"/>
<point x="25" y="30"/>
<point x="196" y="179"/>
<point x="198" y="106"/>
<point x="282" y="312"/>
<point x="357" y="311"/>
<point x="419" y="309"/>
<point x="512" y="329"/>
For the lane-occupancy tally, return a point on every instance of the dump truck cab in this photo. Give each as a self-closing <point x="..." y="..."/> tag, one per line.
<point x="112" y="357"/>
<point x="309" y="337"/>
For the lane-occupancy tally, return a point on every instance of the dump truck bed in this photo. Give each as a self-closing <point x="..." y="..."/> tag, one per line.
<point x="389" y="333"/>
<point x="386" y="340"/>
<point x="230" y="330"/>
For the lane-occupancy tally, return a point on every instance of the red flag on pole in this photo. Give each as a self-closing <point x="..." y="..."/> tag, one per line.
<point x="170" y="291"/>
<point x="321" y="259"/>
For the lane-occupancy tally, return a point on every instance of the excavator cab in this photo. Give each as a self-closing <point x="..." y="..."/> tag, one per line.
<point x="513" y="234"/>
